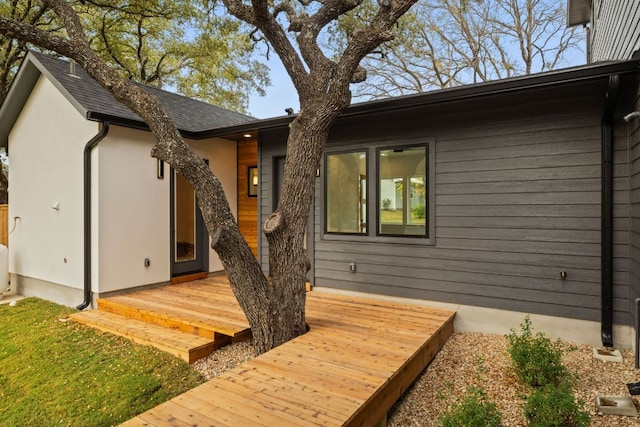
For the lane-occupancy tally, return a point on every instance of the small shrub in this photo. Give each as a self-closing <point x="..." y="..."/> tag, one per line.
<point x="474" y="409"/>
<point x="386" y="204"/>
<point x="555" y="406"/>
<point x="419" y="211"/>
<point x="536" y="359"/>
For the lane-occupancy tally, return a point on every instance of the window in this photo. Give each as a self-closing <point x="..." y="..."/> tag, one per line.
<point x="402" y="191"/>
<point x="346" y="193"/>
<point x="381" y="193"/>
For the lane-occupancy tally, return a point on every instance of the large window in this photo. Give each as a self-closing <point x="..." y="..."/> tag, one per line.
<point x="346" y="193"/>
<point x="381" y="193"/>
<point x="402" y="191"/>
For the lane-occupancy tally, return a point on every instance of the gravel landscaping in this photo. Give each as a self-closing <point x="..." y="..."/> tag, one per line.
<point x="455" y="368"/>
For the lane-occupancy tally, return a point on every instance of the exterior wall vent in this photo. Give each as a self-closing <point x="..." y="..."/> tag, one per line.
<point x="72" y="70"/>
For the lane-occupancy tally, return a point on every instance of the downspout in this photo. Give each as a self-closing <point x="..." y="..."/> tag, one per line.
<point x="606" y="242"/>
<point x="88" y="148"/>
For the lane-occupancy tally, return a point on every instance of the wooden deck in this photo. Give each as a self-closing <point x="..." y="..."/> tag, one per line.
<point x="358" y="358"/>
<point x="189" y="320"/>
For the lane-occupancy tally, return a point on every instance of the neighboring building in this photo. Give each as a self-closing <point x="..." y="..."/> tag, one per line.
<point x="613" y="27"/>
<point x="144" y="228"/>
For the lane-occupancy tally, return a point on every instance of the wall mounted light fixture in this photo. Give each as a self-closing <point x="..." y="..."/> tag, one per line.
<point x="252" y="181"/>
<point x="160" y="168"/>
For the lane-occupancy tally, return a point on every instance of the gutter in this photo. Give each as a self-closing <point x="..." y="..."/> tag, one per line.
<point x="548" y="79"/>
<point x="606" y="229"/>
<point x="88" y="148"/>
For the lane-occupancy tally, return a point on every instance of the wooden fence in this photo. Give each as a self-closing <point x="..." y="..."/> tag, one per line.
<point x="4" y="225"/>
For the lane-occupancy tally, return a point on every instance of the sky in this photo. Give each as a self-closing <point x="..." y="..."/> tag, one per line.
<point x="281" y="94"/>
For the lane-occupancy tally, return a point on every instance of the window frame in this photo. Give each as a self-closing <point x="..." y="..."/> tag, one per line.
<point x="378" y="199"/>
<point x="325" y="193"/>
<point x="371" y="236"/>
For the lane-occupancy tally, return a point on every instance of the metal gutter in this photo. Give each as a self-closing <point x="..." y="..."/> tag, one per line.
<point x="88" y="148"/>
<point x="548" y="79"/>
<point x="606" y="229"/>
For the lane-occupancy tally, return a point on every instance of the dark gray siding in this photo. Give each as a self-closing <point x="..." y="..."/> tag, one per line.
<point x="615" y="31"/>
<point x="273" y="146"/>
<point x="517" y="202"/>
<point x="634" y="192"/>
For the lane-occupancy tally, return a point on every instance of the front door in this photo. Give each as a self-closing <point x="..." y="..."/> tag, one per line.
<point x="189" y="249"/>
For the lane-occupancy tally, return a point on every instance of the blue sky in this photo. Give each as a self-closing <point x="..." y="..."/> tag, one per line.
<point x="281" y="94"/>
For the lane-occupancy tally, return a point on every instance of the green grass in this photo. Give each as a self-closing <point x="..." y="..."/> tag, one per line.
<point x="395" y="217"/>
<point x="59" y="373"/>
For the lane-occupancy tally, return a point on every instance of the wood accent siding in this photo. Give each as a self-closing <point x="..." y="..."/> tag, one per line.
<point x="4" y="225"/>
<point x="247" y="206"/>
<point x="615" y="32"/>
<point x="517" y="202"/>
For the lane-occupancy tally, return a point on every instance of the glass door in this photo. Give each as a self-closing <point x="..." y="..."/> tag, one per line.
<point x="188" y="235"/>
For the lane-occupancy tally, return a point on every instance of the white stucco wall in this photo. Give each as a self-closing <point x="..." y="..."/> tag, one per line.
<point x="46" y="146"/>
<point x="131" y="213"/>
<point x="133" y="208"/>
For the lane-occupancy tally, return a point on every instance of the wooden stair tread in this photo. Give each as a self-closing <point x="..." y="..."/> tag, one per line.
<point x="187" y="346"/>
<point x="135" y="307"/>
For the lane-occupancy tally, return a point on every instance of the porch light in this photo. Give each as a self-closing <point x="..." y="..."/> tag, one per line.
<point x="252" y="181"/>
<point x="160" y="169"/>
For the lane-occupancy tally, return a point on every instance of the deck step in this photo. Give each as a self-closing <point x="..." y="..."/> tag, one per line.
<point x="184" y="345"/>
<point x="174" y="314"/>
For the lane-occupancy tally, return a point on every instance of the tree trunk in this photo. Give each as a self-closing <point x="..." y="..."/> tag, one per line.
<point x="286" y="226"/>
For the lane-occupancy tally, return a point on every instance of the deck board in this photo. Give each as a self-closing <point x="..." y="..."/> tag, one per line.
<point x="357" y="359"/>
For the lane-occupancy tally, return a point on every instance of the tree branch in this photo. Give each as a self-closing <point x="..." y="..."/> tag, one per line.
<point x="260" y="17"/>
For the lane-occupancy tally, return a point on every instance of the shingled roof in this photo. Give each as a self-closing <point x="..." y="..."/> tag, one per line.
<point x="95" y="103"/>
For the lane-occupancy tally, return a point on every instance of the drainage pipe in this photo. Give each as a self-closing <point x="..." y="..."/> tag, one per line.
<point x="606" y="242"/>
<point x="637" y="350"/>
<point x="88" y="148"/>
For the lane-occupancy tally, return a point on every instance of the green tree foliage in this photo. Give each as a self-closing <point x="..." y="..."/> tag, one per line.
<point x="188" y="46"/>
<point x="445" y="43"/>
<point x="12" y="51"/>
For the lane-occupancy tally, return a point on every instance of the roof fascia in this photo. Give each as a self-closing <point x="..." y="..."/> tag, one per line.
<point x="23" y="84"/>
<point x="19" y="92"/>
<point x="56" y="83"/>
<point x="135" y="124"/>
<point x="500" y="87"/>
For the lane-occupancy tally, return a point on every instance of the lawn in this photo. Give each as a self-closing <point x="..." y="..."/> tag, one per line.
<point x="56" y="372"/>
<point x="395" y="217"/>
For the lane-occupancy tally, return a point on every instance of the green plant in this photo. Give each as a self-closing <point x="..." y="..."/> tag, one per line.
<point x="474" y="409"/>
<point x="419" y="211"/>
<point x="536" y="359"/>
<point x="555" y="406"/>
<point x="386" y="204"/>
